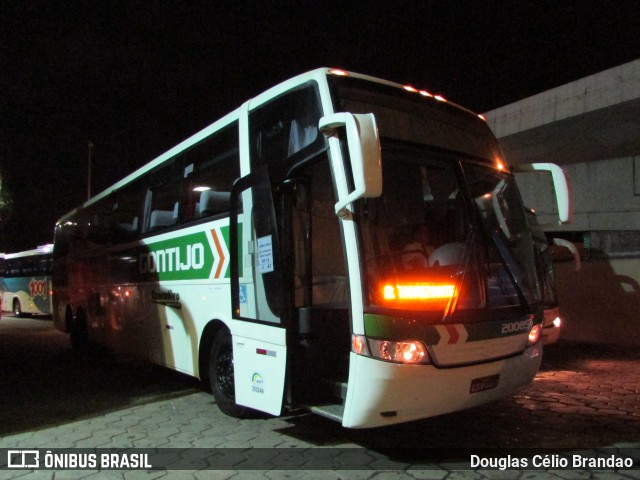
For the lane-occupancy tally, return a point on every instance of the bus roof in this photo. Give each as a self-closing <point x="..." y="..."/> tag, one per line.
<point x="40" y="250"/>
<point x="254" y="102"/>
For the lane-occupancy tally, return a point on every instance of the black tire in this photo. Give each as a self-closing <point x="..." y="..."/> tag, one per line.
<point x="17" y="308"/>
<point x="221" y="376"/>
<point x="78" y="334"/>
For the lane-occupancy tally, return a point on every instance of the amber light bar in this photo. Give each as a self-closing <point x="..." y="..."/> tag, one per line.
<point x="418" y="291"/>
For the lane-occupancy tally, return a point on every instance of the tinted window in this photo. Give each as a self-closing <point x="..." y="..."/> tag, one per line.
<point x="284" y="132"/>
<point x="210" y="168"/>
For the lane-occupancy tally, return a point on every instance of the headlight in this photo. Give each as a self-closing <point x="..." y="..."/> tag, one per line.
<point x="409" y="351"/>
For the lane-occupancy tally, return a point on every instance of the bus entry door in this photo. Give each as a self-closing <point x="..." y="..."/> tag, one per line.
<point x="259" y="335"/>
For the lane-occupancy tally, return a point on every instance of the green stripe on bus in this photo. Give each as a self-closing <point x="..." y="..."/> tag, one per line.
<point x="394" y="328"/>
<point x="225" y="236"/>
<point x="501" y="328"/>
<point x="188" y="257"/>
<point x="486" y="330"/>
<point x="401" y="328"/>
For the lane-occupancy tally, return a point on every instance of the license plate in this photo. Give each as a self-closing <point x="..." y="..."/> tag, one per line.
<point x="484" y="383"/>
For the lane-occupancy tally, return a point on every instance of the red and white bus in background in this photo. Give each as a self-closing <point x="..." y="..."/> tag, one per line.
<point x="340" y="243"/>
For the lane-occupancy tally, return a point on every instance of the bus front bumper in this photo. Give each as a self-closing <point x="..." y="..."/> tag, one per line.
<point x="382" y="393"/>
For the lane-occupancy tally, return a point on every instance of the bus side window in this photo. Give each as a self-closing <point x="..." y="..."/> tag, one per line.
<point x="98" y="225"/>
<point x="127" y="207"/>
<point x="164" y="186"/>
<point x="211" y="167"/>
<point x="284" y="132"/>
<point x="212" y="202"/>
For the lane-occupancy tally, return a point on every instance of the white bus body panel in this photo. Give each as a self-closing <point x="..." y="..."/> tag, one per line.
<point x="27" y="302"/>
<point x="178" y="334"/>
<point x="259" y="363"/>
<point x="383" y="393"/>
<point x="159" y="320"/>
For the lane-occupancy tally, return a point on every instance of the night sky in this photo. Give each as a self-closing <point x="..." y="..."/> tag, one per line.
<point x="137" y="77"/>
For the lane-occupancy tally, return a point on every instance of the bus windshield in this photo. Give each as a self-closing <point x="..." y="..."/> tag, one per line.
<point x="445" y="235"/>
<point x="449" y="232"/>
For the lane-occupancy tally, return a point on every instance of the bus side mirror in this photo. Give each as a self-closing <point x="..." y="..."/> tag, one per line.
<point x="364" y="150"/>
<point x="572" y="248"/>
<point x="560" y="185"/>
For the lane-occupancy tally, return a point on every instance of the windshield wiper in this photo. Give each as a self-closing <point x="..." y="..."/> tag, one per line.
<point x="511" y="266"/>
<point x="453" y="301"/>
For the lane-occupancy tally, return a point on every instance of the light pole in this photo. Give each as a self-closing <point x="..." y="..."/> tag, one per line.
<point x="89" y="151"/>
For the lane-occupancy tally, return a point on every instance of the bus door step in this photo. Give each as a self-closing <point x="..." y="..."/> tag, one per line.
<point x="336" y="388"/>
<point x="332" y="411"/>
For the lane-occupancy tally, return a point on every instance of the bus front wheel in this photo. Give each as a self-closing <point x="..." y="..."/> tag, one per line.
<point x="221" y="375"/>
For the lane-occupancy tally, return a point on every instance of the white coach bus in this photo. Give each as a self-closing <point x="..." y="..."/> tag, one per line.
<point x="339" y="243"/>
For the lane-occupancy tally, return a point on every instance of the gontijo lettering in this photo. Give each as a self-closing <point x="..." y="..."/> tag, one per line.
<point x="173" y="259"/>
<point x="197" y="256"/>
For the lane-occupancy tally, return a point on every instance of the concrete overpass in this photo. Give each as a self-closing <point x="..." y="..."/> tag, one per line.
<point x="591" y="127"/>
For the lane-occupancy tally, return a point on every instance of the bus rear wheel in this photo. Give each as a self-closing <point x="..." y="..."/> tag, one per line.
<point x="78" y="334"/>
<point x="221" y="376"/>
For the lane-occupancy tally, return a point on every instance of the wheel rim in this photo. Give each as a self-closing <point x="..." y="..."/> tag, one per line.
<point x="224" y="372"/>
